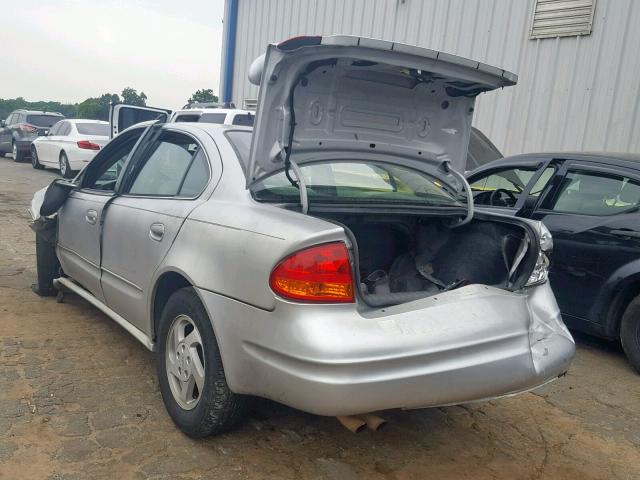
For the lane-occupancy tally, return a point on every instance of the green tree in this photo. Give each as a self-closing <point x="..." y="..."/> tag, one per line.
<point x="130" y="97"/>
<point x="97" y="108"/>
<point x="201" y="96"/>
<point x="9" y="105"/>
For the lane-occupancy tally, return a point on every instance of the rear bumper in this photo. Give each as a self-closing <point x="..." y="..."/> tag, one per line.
<point x="466" y="345"/>
<point x="80" y="158"/>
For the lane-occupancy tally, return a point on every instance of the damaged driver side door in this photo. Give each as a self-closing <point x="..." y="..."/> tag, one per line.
<point x="80" y="218"/>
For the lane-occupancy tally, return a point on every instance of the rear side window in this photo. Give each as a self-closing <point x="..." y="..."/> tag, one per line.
<point x="593" y="193"/>
<point x="197" y="177"/>
<point x="245" y="120"/>
<point x="241" y="142"/>
<point x="65" y="129"/>
<point x="43" y="120"/>
<point x="93" y="129"/>
<point x="213" y="117"/>
<point x="55" y="129"/>
<point x="164" y="170"/>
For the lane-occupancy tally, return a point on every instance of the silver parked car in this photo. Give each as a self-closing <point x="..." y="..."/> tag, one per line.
<point x="330" y="259"/>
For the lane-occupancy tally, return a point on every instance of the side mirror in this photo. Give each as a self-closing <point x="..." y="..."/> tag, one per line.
<point x="55" y="196"/>
<point x="3" y="123"/>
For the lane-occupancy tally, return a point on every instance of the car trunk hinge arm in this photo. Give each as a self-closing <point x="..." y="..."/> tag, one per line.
<point x="304" y="197"/>
<point x="468" y="193"/>
<point x="290" y="164"/>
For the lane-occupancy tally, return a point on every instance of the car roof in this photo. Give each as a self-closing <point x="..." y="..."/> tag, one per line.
<point x="614" y="158"/>
<point x="86" y="120"/>
<point x="212" y="110"/>
<point x="208" y="127"/>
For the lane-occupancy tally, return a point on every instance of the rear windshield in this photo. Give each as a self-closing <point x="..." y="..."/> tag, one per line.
<point x="357" y="182"/>
<point x="189" y="117"/>
<point x="213" y="117"/>
<point x="93" y="129"/>
<point x="43" y="120"/>
<point x="246" y="120"/>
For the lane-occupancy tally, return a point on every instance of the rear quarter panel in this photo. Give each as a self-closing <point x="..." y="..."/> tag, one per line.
<point x="230" y="243"/>
<point x="230" y="249"/>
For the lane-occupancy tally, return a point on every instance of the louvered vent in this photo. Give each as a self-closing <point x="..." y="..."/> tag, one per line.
<point x="561" y="18"/>
<point x="250" y="103"/>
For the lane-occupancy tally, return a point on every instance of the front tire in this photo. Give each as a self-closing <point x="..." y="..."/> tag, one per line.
<point x="190" y="371"/>
<point x="65" y="168"/>
<point x="35" y="162"/>
<point x="48" y="266"/>
<point x="18" y="156"/>
<point x="630" y="333"/>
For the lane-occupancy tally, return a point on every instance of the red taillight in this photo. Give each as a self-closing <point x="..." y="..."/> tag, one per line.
<point x="317" y="274"/>
<point x="87" y="145"/>
<point x="27" y="128"/>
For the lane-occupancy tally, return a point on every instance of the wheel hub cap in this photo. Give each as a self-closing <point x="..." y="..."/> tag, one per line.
<point x="184" y="360"/>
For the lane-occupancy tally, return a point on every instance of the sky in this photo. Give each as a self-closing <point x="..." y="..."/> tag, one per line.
<point x="69" y="50"/>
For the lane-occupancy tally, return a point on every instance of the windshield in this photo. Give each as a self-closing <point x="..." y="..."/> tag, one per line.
<point x="358" y="181"/>
<point x="93" y="129"/>
<point x="43" y="120"/>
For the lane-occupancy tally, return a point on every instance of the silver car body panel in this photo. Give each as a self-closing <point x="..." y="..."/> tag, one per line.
<point x="468" y="344"/>
<point x="351" y="93"/>
<point x="464" y="345"/>
<point x="78" y="244"/>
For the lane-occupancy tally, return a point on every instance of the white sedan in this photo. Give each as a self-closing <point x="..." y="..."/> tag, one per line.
<point x="70" y="145"/>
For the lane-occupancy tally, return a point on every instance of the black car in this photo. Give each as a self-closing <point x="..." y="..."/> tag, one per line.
<point x="21" y="128"/>
<point x="590" y="202"/>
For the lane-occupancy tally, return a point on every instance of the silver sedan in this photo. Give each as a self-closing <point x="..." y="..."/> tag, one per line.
<point x="330" y="259"/>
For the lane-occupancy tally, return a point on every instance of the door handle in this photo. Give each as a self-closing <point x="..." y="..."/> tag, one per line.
<point x="91" y="216"/>
<point x="156" y="231"/>
<point x="626" y="233"/>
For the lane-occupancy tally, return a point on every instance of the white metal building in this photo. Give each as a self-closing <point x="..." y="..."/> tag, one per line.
<point x="578" y="61"/>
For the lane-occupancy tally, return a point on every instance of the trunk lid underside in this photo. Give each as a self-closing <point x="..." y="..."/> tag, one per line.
<point x="353" y="94"/>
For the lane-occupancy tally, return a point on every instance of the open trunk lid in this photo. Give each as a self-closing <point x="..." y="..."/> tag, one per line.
<point x="353" y="94"/>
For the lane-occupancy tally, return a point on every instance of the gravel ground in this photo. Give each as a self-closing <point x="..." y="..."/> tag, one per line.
<point x="79" y="399"/>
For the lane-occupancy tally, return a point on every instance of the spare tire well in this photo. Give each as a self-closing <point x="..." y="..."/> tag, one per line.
<point x="167" y="285"/>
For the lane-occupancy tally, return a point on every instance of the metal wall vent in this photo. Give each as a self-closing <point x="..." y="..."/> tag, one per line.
<point x="250" y="103"/>
<point x="562" y="18"/>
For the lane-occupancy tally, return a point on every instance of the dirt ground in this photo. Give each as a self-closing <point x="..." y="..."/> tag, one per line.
<point x="79" y="399"/>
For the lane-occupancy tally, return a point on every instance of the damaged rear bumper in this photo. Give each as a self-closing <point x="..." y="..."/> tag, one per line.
<point x="469" y="344"/>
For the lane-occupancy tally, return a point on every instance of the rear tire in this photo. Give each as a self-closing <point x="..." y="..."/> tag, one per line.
<point x="18" y="156"/>
<point x="65" y="168"/>
<point x="216" y="408"/>
<point x="35" y="162"/>
<point x="630" y="333"/>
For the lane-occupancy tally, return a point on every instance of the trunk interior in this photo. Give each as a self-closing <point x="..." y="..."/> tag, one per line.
<point x="405" y="257"/>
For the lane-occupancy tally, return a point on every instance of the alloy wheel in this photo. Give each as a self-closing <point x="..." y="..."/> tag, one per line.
<point x="14" y="150"/>
<point x="184" y="358"/>
<point x="63" y="166"/>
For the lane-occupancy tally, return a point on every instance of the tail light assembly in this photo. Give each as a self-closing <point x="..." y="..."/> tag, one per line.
<point x="87" y="145"/>
<point x="25" y="127"/>
<point x="318" y="274"/>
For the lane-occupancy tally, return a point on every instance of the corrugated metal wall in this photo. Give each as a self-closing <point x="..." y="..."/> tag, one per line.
<point x="574" y="93"/>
